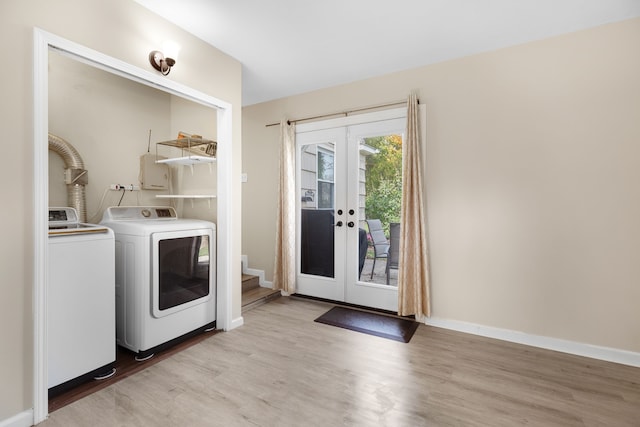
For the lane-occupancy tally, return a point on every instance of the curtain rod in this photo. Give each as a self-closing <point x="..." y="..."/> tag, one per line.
<point x="342" y="113"/>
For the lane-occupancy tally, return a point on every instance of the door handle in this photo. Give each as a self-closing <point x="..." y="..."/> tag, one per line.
<point x="339" y="224"/>
<point x="350" y="224"/>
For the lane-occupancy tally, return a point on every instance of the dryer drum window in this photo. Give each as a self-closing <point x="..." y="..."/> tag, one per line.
<point x="184" y="270"/>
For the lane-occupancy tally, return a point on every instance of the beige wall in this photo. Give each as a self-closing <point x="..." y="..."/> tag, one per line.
<point x="187" y="116"/>
<point x="532" y="182"/>
<point x="107" y="119"/>
<point x="118" y="28"/>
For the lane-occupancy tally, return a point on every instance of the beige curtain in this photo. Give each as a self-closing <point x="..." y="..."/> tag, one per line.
<point x="284" y="277"/>
<point x="413" y="273"/>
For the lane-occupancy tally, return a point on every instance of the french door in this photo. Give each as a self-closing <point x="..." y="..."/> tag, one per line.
<point x="336" y="170"/>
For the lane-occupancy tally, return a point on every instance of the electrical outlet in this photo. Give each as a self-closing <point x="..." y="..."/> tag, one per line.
<point x="120" y="187"/>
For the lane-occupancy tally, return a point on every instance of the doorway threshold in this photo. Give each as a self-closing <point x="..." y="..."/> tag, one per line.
<point x="355" y="306"/>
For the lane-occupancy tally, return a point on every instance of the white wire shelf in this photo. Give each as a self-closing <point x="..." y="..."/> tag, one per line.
<point x="188" y="160"/>
<point x="186" y="196"/>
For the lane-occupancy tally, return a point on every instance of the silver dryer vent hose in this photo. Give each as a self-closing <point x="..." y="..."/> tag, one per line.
<point x="75" y="174"/>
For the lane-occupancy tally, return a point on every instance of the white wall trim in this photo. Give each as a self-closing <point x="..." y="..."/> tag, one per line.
<point x="608" y="354"/>
<point x="225" y="241"/>
<point x="23" y="419"/>
<point x="236" y="323"/>
<point x="255" y="272"/>
<point x="43" y="42"/>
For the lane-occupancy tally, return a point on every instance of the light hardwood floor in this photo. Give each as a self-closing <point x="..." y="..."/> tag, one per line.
<point x="283" y="369"/>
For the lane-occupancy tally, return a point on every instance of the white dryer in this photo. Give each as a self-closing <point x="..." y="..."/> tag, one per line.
<point x="165" y="276"/>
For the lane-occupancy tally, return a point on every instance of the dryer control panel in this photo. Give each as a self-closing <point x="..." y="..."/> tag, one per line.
<point x="138" y="213"/>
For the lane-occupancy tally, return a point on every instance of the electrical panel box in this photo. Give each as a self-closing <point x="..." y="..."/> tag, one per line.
<point x="153" y="176"/>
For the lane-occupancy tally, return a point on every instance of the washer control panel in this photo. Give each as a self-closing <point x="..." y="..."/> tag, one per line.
<point x="65" y="222"/>
<point x="58" y="216"/>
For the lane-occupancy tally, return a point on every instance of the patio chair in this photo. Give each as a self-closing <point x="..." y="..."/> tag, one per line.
<point x="393" y="255"/>
<point x="380" y="242"/>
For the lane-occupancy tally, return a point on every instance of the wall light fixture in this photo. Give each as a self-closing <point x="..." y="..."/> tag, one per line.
<point x="164" y="61"/>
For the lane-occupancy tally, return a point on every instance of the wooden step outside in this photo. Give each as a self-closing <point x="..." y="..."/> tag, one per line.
<point x="253" y="294"/>
<point x="249" y="282"/>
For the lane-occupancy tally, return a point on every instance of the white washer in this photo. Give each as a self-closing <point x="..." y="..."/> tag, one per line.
<point x="165" y="276"/>
<point x="80" y="301"/>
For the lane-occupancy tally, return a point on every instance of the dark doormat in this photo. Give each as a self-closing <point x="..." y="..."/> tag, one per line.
<point x="379" y="325"/>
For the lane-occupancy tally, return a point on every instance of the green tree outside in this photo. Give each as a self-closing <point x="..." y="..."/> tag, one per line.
<point x="384" y="180"/>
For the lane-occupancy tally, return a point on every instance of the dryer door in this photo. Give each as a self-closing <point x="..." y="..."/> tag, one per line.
<point x="183" y="270"/>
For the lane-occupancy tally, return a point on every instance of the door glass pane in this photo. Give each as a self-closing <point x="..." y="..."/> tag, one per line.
<point x="317" y="198"/>
<point x="380" y="197"/>
<point x="326" y="195"/>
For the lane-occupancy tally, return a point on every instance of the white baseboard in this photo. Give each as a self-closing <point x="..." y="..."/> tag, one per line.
<point x="608" y="354"/>
<point x="23" y="419"/>
<point x="571" y="347"/>
<point x="236" y="323"/>
<point x="254" y="272"/>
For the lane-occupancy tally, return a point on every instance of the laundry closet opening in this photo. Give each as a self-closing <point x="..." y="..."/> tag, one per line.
<point x="113" y="114"/>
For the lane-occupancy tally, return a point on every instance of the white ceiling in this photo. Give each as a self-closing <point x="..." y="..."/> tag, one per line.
<point x="288" y="47"/>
